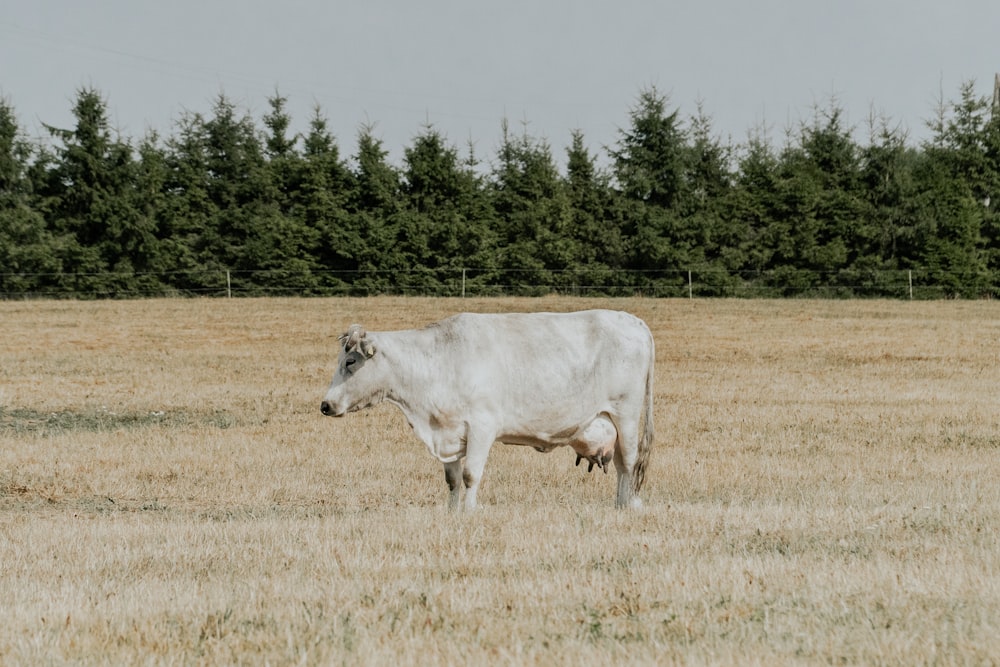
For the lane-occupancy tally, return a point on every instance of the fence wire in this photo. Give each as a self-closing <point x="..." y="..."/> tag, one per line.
<point x="917" y="283"/>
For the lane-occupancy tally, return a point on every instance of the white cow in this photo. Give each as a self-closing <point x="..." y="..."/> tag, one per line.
<point x="544" y="380"/>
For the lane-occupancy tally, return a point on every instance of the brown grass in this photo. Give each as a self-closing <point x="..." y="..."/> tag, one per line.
<point x="823" y="490"/>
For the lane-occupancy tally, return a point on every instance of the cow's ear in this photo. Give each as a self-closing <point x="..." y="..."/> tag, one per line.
<point x="367" y="348"/>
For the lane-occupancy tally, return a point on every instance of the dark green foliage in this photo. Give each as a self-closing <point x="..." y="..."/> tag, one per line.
<point x="649" y="160"/>
<point x="372" y="224"/>
<point x="532" y="215"/>
<point x="708" y="205"/>
<point x="888" y="187"/>
<point x="29" y="251"/>
<point x="323" y="187"/>
<point x="597" y="243"/>
<point x="663" y="183"/>
<point x="959" y="174"/>
<point x="225" y="200"/>
<point x="88" y="194"/>
<point x="445" y="226"/>
<point x="816" y="228"/>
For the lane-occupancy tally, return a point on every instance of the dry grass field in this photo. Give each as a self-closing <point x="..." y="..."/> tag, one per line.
<point x="824" y="489"/>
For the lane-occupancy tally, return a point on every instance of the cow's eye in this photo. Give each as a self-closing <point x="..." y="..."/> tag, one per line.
<point x="350" y="362"/>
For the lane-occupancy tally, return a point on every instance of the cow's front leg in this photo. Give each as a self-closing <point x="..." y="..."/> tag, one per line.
<point x="453" y="475"/>
<point x="476" y="452"/>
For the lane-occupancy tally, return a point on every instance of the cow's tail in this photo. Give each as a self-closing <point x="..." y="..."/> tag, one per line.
<point x="646" y="438"/>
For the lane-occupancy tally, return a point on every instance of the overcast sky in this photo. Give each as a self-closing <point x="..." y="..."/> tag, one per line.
<point x="463" y="66"/>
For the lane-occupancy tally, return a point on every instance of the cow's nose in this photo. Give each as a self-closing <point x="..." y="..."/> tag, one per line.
<point x="324" y="407"/>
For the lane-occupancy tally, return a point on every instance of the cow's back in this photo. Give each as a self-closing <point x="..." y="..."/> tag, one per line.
<point x="534" y="367"/>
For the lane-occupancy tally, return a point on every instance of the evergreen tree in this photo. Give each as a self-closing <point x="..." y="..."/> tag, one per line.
<point x="532" y="214"/>
<point x="283" y="249"/>
<point x="239" y="188"/>
<point x="947" y="232"/>
<point x="707" y="173"/>
<point x="596" y="240"/>
<point x="706" y="205"/>
<point x="817" y="232"/>
<point x="91" y="195"/>
<point x="277" y="120"/>
<point x="152" y="175"/>
<point x="373" y="208"/>
<point x="190" y="235"/>
<point x="755" y="203"/>
<point x="442" y="229"/>
<point x="649" y="159"/>
<point x="990" y="230"/>
<point x="320" y="201"/>
<point x="230" y="209"/>
<point x="649" y="166"/>
<point x="969" y="143"/>
<point x="955" y="177"/>
<point x="280" y="152"/>
<point x="92" y="214"/>
<point x="887" y="183"/>
<point x="29" y="257"/>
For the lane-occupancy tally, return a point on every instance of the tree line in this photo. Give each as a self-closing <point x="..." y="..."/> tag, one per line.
<point x="91" y="213"/>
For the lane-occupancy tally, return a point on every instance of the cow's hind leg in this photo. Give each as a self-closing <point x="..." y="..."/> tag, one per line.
<point x="453" y="475"/>
<point x="626" y="457"/>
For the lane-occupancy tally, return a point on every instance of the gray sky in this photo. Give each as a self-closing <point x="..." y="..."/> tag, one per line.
<point x="464" y="66"/>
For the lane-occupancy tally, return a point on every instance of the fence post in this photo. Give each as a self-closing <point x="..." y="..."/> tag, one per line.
<point x="229" y="285"/>
<point x="690" y="291"/>
<point x="909" y="276"/>
<point x="463" y="283"/>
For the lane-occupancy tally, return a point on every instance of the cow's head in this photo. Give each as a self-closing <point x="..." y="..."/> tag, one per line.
<point x="353" y="386"/>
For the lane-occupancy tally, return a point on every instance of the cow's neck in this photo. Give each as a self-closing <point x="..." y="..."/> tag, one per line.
<point x="410" y="355"/>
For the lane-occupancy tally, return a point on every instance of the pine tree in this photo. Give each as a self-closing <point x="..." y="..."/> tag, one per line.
<point x="649" y="164"/>
<point x="816" y="230"/>
<point x="649" y="159"/>
<point x="706" y="206"/>
<point x="755" y="202"/>
<point x="153" y="204"/>
<point x="280" y="151"/>
<point x="954" y="178"/>
<point x="443" y="230"/>
<point x="597" y="243"/>
<point x="320" y="201"/>
<point x="29" y="258"/>
<point x="373" y="209"/>
<point x="990" y="229"/>
<point x="91" y="196"/>
<point x="532" y="214"/>
<point x="190" y="235"/>
<point x="888" y="187"/>
<point x="283" y="247"/>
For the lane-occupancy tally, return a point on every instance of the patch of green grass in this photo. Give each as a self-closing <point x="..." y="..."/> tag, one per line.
<point x="25" y="421"/>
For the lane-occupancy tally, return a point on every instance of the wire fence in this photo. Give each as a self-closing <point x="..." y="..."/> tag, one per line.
<point x="917" y="283"/>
